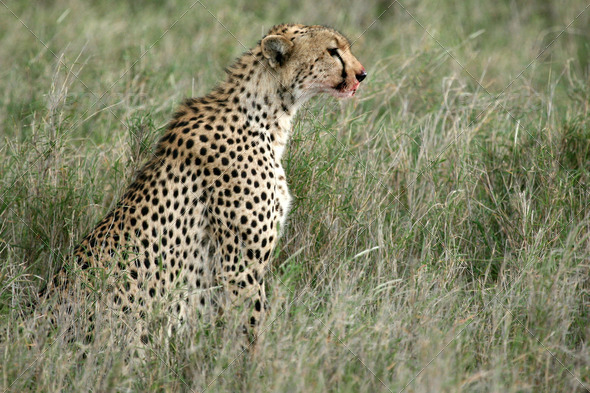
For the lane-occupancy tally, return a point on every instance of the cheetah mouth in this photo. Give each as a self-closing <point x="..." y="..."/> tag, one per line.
<point x="342" y="90"/>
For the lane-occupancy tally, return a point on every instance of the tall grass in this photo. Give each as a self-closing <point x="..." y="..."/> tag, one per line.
<point x="439" y="237"/>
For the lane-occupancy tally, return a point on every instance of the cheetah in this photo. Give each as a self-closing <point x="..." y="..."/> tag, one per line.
<point x="201" y="219"/>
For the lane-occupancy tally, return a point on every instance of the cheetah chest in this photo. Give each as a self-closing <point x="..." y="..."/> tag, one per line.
<point x="283" y="198"/>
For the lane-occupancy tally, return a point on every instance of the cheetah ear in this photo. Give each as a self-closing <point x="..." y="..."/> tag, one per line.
<point x="277" y="49"/>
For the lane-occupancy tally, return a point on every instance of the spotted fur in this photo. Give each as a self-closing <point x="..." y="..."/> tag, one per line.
<point x="206" y="210"/>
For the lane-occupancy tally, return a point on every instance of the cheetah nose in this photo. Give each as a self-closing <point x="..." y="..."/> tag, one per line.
<point x="361" y="76"/>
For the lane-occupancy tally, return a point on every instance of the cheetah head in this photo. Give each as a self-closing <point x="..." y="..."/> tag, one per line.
<point x="310" y="60"/>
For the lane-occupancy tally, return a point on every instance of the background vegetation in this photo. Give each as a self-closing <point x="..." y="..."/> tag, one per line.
<point x="440" y="235"/>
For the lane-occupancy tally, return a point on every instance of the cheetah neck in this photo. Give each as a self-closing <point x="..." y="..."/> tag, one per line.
<point x="263" y="99"/>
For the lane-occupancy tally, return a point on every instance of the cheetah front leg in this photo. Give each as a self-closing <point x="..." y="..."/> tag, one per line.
<point x="244" y="253"/>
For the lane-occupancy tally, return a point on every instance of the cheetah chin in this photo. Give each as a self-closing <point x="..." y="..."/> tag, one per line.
<point x="342" y="92"/>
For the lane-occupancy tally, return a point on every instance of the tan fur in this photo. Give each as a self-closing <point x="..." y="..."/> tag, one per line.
<point x="197" y="228"/>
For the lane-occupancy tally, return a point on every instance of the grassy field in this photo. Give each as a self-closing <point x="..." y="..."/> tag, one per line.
<point x="440" y="235"/>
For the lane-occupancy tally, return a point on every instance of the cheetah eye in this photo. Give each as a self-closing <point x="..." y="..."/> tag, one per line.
<point x="333" y="51"/>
